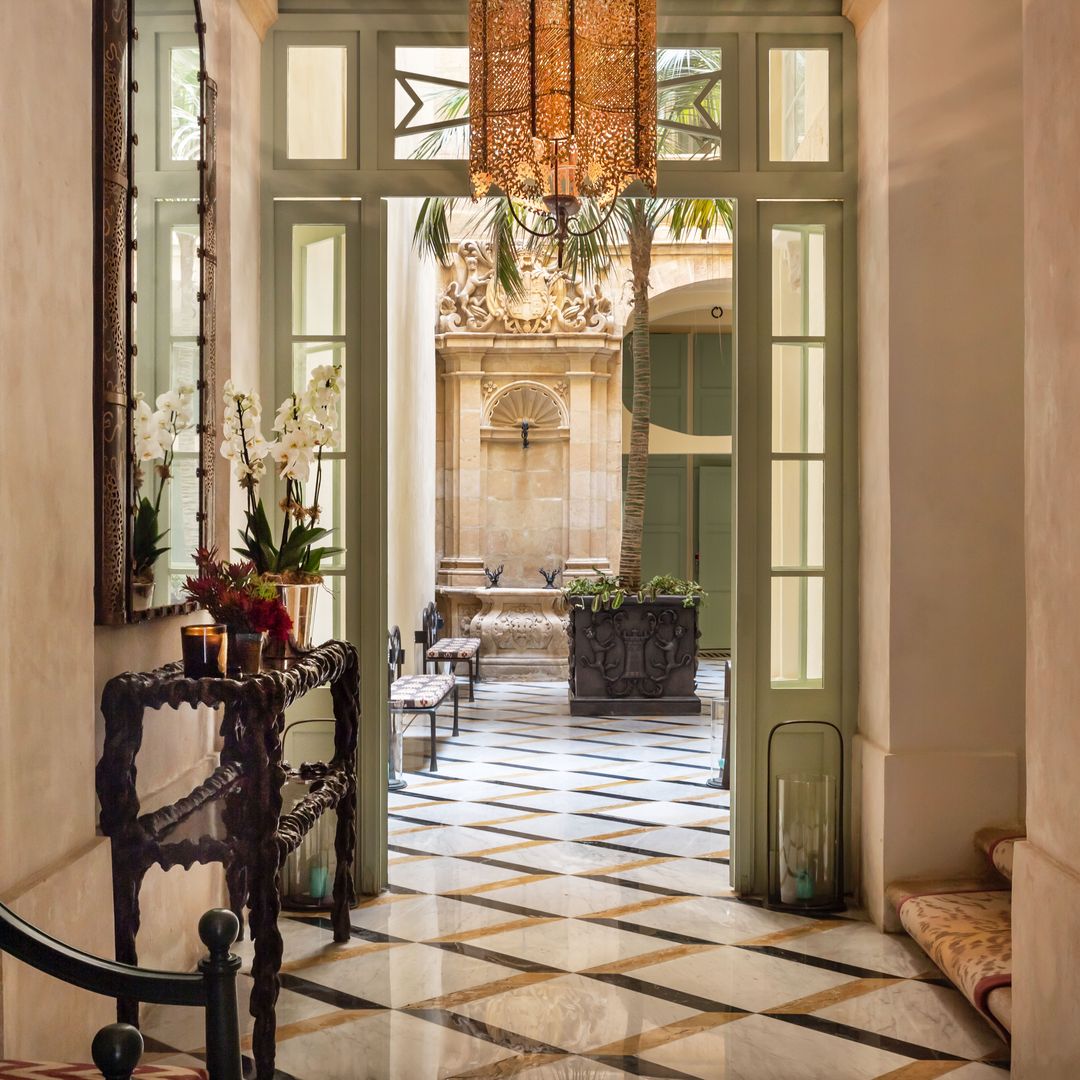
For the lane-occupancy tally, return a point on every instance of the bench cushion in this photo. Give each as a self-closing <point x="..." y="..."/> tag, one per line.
<point x="419" y="692"/>
<point x="454" y="648"/>
<point x="998" y="845"/>
<point x="30" y="1070"/>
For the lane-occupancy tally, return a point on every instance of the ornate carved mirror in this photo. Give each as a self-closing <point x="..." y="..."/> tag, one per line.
<point x="154" y="297"/>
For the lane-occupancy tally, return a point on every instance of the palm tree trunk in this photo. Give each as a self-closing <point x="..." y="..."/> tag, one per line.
<point x="637" y="471"/>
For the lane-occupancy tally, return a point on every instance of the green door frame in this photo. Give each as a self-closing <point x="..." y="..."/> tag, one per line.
<point x="372" y="175"/>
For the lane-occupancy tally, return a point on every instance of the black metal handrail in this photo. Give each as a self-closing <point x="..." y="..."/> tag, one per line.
<point x="118" y="1047"/>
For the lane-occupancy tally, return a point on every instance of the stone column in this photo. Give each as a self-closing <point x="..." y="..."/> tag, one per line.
<point x="461" y="563"/>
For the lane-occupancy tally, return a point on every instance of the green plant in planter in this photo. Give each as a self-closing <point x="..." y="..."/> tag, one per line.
<point x="607" y="590"/>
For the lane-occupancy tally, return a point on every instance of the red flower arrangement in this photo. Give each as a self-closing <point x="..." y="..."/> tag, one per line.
<point x="236" y="595"/>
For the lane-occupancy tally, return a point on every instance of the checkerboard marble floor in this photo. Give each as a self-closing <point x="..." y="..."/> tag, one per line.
<point x="559" y="908"/>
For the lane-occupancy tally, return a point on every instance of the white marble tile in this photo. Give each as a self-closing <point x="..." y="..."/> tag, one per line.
<point x="475" y="790"/>
<point x="184" y="1028"/>
<point x="722" y="921"/>
<point x="567" y="857"/>
<point x="693" y="876"/>
<point x="657" y="770"/>
<point x="659" y="790"/>
<point x="572" y="1067"/>
<point x="424" y="918"/>
<point x="978" y="1071"/>
<point x="458" y="813"/>
<point x="406" y="974"/>
<point x="555" y="780"/>
<point x="565" y="802"/>
<point x="934" y="1016"/>
<point x="672" y="813"/>
<point x="738" y="977"/>
<point x="568" y="896"/>
<point x="673" y="840"/>
<point x="863" y="945"/>
<point x="580" y="762"/>
<point x="465" y="770"/>
<point x="761" y="1048"/>
<point x="574" y="1012"/>
<point x="385" y="1046"/>
<point x="456" y="751"/>
<point x="445" y="840"/>
<point x="569" y="944"/>
<point x="565" y="827"/>
<point x="444" y="874"/>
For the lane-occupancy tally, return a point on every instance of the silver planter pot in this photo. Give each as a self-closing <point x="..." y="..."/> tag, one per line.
<point x="300" y="601"/>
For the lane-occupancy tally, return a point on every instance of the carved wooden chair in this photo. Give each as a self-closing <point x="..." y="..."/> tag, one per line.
<point x="117" y="1048"/>
<point x="411" y="695"/>
<point x="450" y="651"/>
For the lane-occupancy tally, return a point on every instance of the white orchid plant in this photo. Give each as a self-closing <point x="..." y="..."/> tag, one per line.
<point x="155" y="433"/>
<point x="306" y="425"/>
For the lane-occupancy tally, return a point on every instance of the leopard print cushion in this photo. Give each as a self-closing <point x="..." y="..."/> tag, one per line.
<point x="998" y="845"/>
<point x="454" y="648"/>
<point x="419" y="692"/>
<point x="969" y="936"/>
<point x="30" y="1070"/>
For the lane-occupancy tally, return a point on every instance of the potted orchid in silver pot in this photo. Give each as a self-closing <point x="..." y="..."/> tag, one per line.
<point x="155" y="432"/>
<point x="306" y="425"/>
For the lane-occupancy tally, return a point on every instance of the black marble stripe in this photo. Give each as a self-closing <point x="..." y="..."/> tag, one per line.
<point x="866" y="1038"/>
<point x="664" y="993"/>
<point x="340" y="999"/>
<point x="509" y="1040"/>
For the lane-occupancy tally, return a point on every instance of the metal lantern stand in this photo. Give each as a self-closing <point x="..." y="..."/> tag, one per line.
<point x="806" y="832"/>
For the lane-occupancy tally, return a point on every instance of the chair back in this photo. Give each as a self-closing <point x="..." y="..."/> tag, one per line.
<point x="395" y="658"/>
<point x="431" y="622"/>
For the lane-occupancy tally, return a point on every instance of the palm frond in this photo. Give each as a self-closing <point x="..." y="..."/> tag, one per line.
<point x="703" y="216"/>
<point x="431" y="234"/>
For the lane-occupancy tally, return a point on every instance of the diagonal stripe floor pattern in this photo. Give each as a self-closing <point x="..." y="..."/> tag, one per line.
<point x="560" y="908"/>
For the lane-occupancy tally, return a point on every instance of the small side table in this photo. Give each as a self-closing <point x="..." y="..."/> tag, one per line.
<point x="234" y="817"/>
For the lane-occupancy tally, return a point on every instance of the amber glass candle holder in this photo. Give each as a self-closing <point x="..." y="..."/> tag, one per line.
<point x="206" y="651"/>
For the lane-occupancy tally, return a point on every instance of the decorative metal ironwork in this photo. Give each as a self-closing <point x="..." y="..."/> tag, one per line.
<point x="563" y="105"/>
<point x="494" y="575"/>
<point x="549" y="576"/>
<point x="115" y="36"/>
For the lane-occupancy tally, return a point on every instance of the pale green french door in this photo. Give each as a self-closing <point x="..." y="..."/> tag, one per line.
<point x="793" y="593"/>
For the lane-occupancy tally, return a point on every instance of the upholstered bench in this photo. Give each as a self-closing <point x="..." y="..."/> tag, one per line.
<point x="451" y="651"/>
<point x="412" y="695"/>
<point x="31" y="1070"/>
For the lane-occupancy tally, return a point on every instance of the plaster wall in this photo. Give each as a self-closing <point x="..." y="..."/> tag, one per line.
<point x="411" y="470"/>
<point x="1046" y="889"/>
<point x="53" y="661"/>
<point x="941" y="432"/>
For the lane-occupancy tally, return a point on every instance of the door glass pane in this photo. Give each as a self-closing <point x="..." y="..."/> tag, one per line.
<point x="319" y="279"/>
<point x="798" y="514"/>
<point x="185" y="103"/>
<point x="799" y="104"/>
<point x="317" y="102"/>
<point x="798" y="280"/>
<point x="798" y="394"/>
<point x="431" y="102"/>
<point x="184" y="280"/>
<point x="797" y="647"/>
<point x="688" y="100"/>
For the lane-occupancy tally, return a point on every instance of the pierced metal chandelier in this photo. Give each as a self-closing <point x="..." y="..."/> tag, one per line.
<point x="562" y="106"/>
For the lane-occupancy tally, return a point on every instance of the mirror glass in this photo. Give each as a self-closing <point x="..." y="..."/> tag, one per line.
<point x="165" y="314"/>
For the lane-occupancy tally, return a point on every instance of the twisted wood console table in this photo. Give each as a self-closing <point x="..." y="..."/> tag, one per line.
<point x="234" y="817"/>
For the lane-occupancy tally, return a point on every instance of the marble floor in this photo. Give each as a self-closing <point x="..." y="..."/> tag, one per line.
<point x="559" y="908"/>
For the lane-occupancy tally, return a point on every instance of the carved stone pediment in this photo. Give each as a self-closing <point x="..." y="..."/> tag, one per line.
<point x="549" y="303"/>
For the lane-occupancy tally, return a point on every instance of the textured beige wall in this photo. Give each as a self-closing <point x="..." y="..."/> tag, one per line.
<point x="410" y="350"/>
<point x="53" y="661"/>
<point x="941" y="431"/>
<point x="1046" y="911"/>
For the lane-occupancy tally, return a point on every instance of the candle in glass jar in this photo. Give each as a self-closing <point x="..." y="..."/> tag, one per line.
<point x="205" y="651"/>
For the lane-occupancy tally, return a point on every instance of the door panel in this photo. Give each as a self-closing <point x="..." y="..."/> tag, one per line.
<point x="714" y="554"/>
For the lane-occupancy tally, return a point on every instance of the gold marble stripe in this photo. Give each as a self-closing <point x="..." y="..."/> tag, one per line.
<point x="498" y="928"/>
<point x="485" y="852"/>
<point x="641" y="905"/>
<point x="660" y="1036"/>
<point x="652" y="860"/>
<point x="817" y="926"/>
<point x="924" y="1070"/>
<point x="489" y="886"/>
<point x="660" y="956"/>
<point x="508" y="820"/>
<point x="500" y="1070"/>
<point x="476" y="993"/>
<point x="824" y="998"/>
<point x="334" y="953"/>
<point x="311" y="1025"/>
<point x="399" y="859"/>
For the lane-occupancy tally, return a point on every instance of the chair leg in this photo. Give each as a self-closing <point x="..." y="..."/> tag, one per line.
<point x="455" y="710"/>
<point x="434" y="765"/>
<point x="472" y="678"/>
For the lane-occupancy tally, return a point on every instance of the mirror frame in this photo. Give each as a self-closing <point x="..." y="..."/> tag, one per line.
<point x="115" y="37"/>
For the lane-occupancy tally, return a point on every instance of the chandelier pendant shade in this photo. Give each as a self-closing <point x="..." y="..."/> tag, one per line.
<point x="562" y="102"/>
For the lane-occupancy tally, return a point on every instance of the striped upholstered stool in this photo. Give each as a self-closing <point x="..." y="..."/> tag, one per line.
<point x="451" y="651"/>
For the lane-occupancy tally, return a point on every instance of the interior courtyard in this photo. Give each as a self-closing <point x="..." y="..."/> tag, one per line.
<point x="542" y="544"/>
